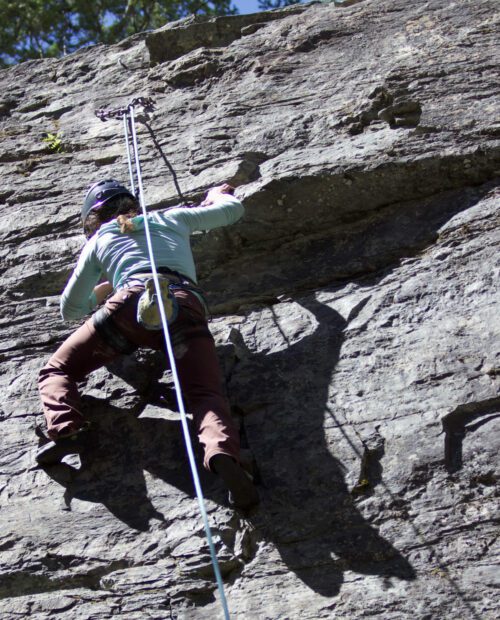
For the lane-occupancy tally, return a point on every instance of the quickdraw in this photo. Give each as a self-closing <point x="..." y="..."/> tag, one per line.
<point x="147" y="103"/>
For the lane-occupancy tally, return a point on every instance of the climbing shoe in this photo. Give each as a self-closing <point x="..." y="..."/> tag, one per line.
<point x="53" y="452"/>
<point x="242" y="491"/>
<point x="148" y="311"/>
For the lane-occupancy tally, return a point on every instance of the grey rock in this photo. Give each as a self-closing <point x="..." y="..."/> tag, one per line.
<point x="355" y="312"/>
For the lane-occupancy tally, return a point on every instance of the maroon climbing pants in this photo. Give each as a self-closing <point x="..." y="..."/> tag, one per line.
<point x="197" y="365"/>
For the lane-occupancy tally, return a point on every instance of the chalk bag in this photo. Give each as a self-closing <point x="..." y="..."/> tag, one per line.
<point x="148" y="311"/>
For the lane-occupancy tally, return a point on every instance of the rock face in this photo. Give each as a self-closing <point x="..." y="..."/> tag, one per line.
<point x="354" y="311"/>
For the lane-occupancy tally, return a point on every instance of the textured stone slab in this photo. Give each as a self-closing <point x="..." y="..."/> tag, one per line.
<point x="355" y="313"/>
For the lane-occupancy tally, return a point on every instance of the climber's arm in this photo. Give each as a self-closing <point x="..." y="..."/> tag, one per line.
<point x="218" y="209"/>
<point x="79" y="296"/>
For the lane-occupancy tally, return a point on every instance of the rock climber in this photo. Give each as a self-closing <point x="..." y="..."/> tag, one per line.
<point x="116" y="250"/>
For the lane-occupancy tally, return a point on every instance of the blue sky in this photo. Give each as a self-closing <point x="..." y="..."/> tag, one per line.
<point x="247" y="6"/>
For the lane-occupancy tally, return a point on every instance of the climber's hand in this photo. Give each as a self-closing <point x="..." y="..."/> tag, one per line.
<point x="215" y="192"/>
<point x="102" y="291"/>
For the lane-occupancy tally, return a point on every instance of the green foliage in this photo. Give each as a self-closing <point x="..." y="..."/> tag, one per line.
<point x="54" y="142"/>
<point x="52" y="28"/>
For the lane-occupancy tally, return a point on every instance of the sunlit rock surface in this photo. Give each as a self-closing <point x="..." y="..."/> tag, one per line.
<point x="355" y="311"/>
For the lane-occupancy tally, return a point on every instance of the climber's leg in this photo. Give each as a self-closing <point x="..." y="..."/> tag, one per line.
<point x="202" y="386"/>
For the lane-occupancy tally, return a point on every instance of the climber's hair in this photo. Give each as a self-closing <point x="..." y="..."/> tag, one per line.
<point x="123" y="208"/>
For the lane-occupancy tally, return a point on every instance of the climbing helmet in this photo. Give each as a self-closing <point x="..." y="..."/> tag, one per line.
<point x="100" y="193"/>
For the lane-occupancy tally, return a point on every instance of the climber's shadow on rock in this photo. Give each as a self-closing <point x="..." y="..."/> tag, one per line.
<point x="307" y="510"/>
<point x="121" y="447"/>
<point x="124" y="444"/>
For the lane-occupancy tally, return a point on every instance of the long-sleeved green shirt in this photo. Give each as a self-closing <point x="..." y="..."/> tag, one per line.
<point x="118" y="255"/>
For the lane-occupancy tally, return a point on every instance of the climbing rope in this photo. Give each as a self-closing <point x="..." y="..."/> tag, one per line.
<point x="128" y="115"/>
<point x="147" y="104"/>
<point x="126" y="128"/>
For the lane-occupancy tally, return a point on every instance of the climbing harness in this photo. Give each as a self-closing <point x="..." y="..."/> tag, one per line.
<point x="128" y="115"/>
<point x="110" y="333"/>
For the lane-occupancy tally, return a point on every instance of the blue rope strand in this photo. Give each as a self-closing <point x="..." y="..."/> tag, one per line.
<point x="180" y="401"/>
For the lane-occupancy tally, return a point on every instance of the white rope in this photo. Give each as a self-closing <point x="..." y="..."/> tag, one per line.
<point x="129" y="159"/>
<point x="180" y="401"/>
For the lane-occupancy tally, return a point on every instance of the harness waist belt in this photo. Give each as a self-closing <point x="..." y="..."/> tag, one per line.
<point x="178" y="280"/>
<point x="174" y="276"/>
